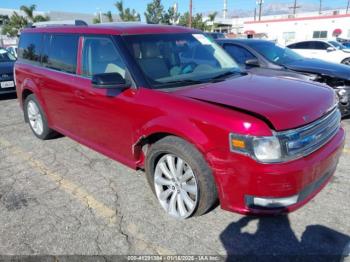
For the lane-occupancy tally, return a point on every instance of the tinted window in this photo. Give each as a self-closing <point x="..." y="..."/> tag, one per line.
<point x="30" y="46"/>
<point x="320" y="45"/>
<point x="301" y="45"/>
<point x="101" y="56"/>
<point x="61" y="52"/>
<point x="240" y="54"/>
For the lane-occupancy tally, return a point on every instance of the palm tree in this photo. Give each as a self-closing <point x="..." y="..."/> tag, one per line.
<point x="212" y="17"/>
<point x="29" y="12"/>
<point x="109" y="16"/>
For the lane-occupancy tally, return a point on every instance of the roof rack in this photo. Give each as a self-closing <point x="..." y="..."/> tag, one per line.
<point x="59" y="23"/>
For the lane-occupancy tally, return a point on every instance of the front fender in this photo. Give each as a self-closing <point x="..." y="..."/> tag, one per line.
<point x="182" y="128"/>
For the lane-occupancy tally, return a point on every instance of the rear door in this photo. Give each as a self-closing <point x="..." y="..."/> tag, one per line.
<point x="60" y="60"/>
<point x="319" y="50"/>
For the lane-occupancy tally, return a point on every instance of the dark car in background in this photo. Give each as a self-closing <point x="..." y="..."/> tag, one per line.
<point x="7" y="61"/>
<point x="267" y="58"/>
<point x="215" y="35"/>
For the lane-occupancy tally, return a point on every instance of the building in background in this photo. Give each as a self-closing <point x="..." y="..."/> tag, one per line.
<point x="285" y="30"/>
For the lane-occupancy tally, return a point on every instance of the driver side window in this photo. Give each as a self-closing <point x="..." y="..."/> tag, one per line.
<point x="239" y="54"/>
<point x="101" y="56"/>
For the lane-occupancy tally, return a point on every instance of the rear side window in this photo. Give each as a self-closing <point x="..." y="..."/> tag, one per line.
<point x="320" y="45"/>
<point x="30" y="47"/>
<point x="301" y="45"/>
<point x="60" y="52"/>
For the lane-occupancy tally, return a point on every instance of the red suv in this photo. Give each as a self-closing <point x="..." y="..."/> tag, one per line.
<point x="169" y="100"/>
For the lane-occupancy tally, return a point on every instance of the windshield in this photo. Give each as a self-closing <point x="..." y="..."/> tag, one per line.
<point x="337" y="45"/>
<point x="6" y="56"/>
<point x="171" y="60"/>
<point x="275" y="53"/>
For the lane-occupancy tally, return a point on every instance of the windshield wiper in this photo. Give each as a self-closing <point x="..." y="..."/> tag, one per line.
<point x="225" y="75"/>
<point x="183" y="82"/>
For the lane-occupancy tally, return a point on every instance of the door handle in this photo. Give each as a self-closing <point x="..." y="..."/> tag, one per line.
<point x="79" y="94"/>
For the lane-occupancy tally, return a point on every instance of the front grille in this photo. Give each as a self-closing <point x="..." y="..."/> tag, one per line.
<point x="6" y="76"/>
<point x="305" y="140"/>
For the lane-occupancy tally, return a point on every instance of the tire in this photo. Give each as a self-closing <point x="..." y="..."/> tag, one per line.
<point x="205" y="195"/>
<point x="346" y="61"/>
<point x="31" y="104"/>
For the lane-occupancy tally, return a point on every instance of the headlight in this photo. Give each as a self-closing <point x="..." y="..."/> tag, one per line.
<point x="263" y="149"/>
<point x="343" y="96"/>
<point x="267" y="149"/>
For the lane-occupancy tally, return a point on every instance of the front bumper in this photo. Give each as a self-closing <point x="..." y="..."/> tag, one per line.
<point x="239" y="178"/>
<point x="9" y="90"/>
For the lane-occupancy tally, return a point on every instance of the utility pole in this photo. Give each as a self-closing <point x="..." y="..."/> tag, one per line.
<point x="320" y="10"/>
<point x="260" y="3"/>
<point x="225" y="9"/>
<point x="295" y="7"/>
<point x="347" y="7"/>
<point x="255" y="13"/>
<point x="190" y="18"/>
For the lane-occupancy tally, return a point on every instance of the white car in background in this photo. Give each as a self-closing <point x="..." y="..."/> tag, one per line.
<point x="331" y="51"/>
<point x="12" y="50"/>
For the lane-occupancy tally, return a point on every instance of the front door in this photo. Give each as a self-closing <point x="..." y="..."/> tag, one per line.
<point x="104" y="114"/>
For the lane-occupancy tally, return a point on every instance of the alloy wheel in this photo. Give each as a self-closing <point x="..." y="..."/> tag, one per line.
<point x="35" y="118"/>
<point x="176" y="186"/>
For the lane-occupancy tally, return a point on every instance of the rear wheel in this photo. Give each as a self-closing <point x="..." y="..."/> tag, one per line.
<point x="36" y="118"/>
<point x="180" y="178"/>
<point x="346" y="61"/>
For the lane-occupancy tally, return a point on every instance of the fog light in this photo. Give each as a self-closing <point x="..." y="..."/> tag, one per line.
<point x="275" y="202"/>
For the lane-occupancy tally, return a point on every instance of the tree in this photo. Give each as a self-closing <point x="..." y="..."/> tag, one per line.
<point x="197" y="21"/>
<point x="127" y="14"/>
<point x="96" y="20"/>
<point x="109" y="16"/>
<point x="13" y="26"/>
<point x="29" y="12"/>
<point x="155" y="12"/>
<point x="171" y="17"/>
<point x="212" y="17"/>
<point x="4" y="19"/>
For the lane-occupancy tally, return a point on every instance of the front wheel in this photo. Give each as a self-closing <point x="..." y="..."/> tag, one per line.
<point x="346" y="61"/>
<point x="180" y="178"/>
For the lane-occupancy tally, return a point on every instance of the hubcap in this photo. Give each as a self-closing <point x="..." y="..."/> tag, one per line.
<point x="176" y="186"/>
<point x="35" y="118"/>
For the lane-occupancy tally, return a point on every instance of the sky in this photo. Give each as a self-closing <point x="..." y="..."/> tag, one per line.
<point x="91" y="6"/>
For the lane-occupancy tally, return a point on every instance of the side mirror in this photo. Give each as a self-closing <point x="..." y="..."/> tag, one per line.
<point x="109" y="80"/>
<point x="331" y="49"/>
<point x="252" y="62"/>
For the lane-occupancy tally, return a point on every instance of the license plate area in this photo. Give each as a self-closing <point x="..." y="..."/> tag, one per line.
<point x="7" y="84"/>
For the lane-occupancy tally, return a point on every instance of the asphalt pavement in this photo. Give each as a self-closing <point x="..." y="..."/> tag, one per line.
<point x="58" y="197"/>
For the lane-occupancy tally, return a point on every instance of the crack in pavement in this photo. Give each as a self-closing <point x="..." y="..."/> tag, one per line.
<point x="134" y="242"/>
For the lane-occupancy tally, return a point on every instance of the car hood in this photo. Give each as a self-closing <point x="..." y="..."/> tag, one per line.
<point x="321" y="67"/>
<point x="6" y="67"/>
<point x="285" y="103"/>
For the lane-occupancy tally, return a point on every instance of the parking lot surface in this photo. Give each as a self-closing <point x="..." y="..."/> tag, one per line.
<point x="58" y="197"/>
